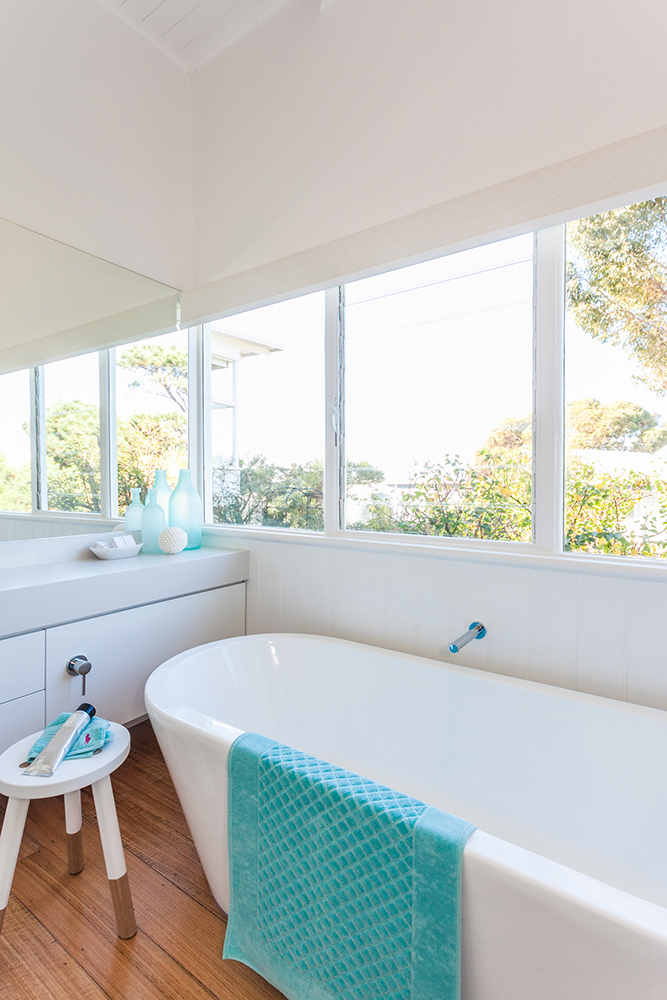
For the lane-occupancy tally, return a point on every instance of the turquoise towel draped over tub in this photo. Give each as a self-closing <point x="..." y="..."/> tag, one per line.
<point x="340" y="887"/>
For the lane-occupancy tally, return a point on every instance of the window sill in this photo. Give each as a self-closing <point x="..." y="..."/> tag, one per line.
<point x="520" y="555"/>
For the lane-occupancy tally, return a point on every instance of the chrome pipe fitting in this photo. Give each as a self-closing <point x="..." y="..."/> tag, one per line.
<point x="476" y="631"/>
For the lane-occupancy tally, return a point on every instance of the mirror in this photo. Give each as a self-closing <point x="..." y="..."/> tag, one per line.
<point x="58" y="302"/>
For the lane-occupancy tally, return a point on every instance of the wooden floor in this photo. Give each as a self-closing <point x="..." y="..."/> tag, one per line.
<point x="59" y="942"/>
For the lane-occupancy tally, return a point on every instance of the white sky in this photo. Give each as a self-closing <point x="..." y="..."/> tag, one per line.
<point x="604" y="373"/>
<point x="436" y="356"/>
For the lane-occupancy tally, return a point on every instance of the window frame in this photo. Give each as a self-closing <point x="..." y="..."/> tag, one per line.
<point x="545" y="250"/>
<point x="545" y="550"/>
<point x="547" y="416"/>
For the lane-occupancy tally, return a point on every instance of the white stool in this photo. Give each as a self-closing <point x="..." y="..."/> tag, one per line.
<point x="70" y="777"/>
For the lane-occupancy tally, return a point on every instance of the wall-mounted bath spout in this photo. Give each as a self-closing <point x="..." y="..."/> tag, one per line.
<point x="476" y="631"/>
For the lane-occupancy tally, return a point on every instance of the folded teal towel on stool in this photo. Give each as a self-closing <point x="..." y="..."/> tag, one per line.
<point x="95" y="735"/>
<point x="340" y="887"/>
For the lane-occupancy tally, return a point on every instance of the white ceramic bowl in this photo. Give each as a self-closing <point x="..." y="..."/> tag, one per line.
<point x="120" y="553"/>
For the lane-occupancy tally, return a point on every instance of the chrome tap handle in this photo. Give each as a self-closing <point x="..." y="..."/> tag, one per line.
<point x="79" y="666"/>
<point x="476" y="631"/>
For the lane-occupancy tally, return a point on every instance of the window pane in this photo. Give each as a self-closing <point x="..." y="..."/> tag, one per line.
<point x="152" y="412"/>
<point x="15" y="490"/>
<point x="616" y="382"/>
<point x="438" y="396"/>
<point x="267" y="383"/>
<point x="72" y="402"/>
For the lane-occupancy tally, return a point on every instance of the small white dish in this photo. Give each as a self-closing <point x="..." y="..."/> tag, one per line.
<point x="116" y="553"/>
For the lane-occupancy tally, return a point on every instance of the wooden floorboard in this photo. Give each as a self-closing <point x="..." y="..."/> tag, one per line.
<point x="59" y="939"/>
<point x="51" y="971"/>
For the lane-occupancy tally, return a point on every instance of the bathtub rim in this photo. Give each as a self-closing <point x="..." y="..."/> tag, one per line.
<point x="583" y="697"/>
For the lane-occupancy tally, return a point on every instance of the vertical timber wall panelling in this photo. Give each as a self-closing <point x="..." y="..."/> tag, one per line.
<point x="575" y="630"/>
<point x="17" y="529"/>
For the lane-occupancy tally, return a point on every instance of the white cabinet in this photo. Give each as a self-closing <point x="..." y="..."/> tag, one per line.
<point x="125" y="616"/>
<point x="124" y="647"/>
<point x="21" y="665"/>
<point x="21" y="717"/>
<point x="21" y="686"/>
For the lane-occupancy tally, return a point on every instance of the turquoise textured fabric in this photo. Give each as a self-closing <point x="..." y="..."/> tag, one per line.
<point x="340" y="887"/>
<point x="95" y="735"/>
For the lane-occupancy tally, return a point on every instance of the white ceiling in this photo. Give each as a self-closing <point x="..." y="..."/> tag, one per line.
<point x="193" y="31"/>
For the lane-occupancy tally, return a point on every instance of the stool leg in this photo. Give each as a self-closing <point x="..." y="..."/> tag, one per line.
<point x="10" y="843"/>
<point x="73" y="827"/>
<point x="114" y="858"/>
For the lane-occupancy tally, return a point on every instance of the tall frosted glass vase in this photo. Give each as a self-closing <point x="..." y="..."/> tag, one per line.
<point x="185" y="509"/>
<point x="152" y="523"/>
<point x="163" y="493"/>
<point x="134" y="512"/>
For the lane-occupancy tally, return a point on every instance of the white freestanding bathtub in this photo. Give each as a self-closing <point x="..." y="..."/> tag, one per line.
<point x="564" y="893"/>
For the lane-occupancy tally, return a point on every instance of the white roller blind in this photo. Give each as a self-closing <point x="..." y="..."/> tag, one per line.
<point x="56" y="301"/>
<point x="635" y="167"/>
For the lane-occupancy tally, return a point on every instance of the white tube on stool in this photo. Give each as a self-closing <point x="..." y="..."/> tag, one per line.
<point x="47" y="761"/>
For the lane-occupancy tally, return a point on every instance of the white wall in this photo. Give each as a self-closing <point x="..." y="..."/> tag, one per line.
<point x="95" y="136"/>
<point x="15" y="528"/>
<point x="589" y="632"/>
<point x="317" y="126"/>
<point x="313" y="128"/>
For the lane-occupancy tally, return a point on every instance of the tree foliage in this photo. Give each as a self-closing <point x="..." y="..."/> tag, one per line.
<point x="601" y="508"/>
<point x="73" y="450"/>
<point x="15" y="486"/>
<point x="617" y="283"/>
<point x="259" y="492"/>
<point x="490" y="499"/>
<point x="146" y="442"/>
<point x="159" y="369"/>
<point x="617" y="426"/>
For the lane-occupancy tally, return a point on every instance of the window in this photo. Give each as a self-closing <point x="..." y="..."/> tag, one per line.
<point x="71" y="427"/>
<point x="15" y="474"/>
<point x="439" y="396"/>
<point x="427" y="401"/>
<point x="616" y="382"/>
<point x="151" y="412"/>
<point x="267" y="406"/>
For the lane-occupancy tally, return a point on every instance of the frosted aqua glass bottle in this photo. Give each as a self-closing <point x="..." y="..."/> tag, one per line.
<point x="152" y="523"/>
<point x="163" y="493"/>
<point x="185" y="509"/>
<point x="134" y="512"/>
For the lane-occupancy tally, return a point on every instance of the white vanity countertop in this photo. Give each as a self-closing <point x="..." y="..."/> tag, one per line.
<point x="53" y="592"/>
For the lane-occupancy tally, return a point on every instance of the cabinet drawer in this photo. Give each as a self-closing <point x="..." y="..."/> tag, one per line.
<point x="20" y="718"/>
<point x="21" y="665"/>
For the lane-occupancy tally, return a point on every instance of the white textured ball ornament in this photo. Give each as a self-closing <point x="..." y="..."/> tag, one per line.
<point x="172" y="540"/>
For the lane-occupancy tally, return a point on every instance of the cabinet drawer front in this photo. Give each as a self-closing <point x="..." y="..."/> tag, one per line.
<point x="21" y="665"/>
<point x="21" y="718"/>
<point x="126" y="646"/>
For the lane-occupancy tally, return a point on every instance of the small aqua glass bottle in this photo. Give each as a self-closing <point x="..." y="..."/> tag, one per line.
<point x="185" y="509"/>
<point x="163" y="493"/>
<point x="152" y="523"/>
<point x="134" y="512"/>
